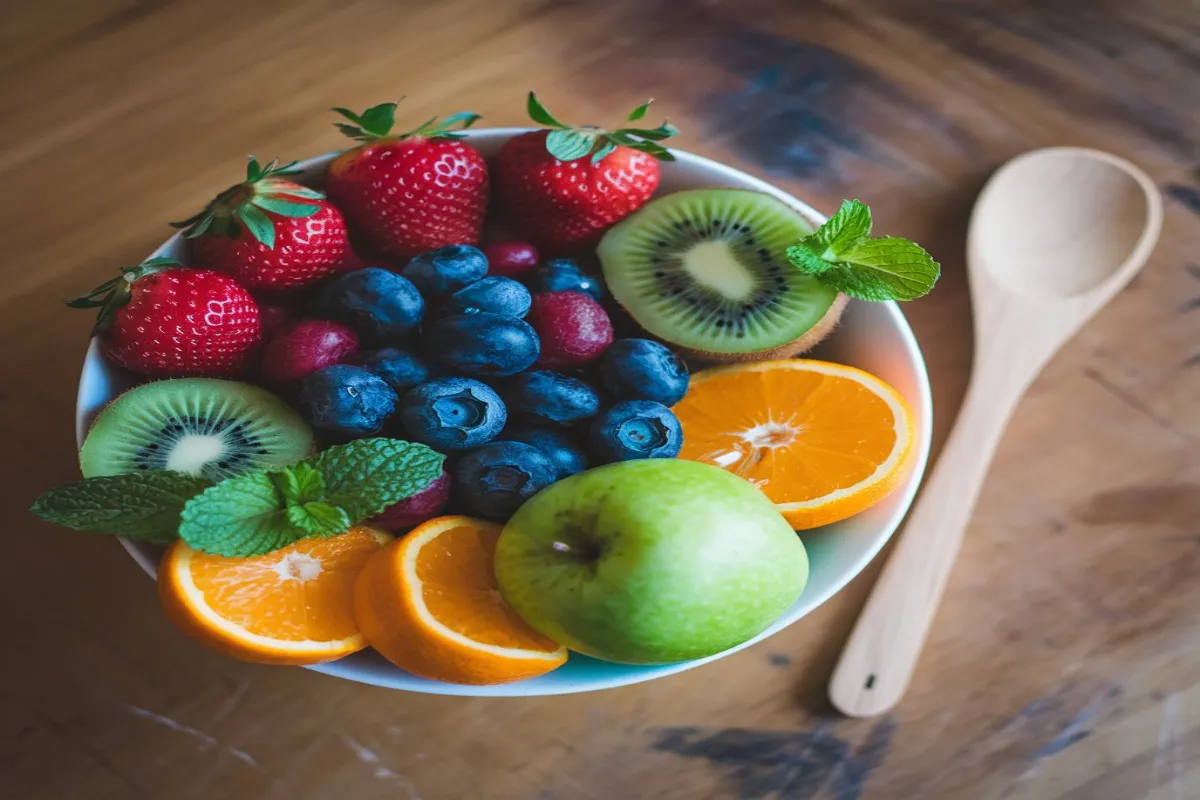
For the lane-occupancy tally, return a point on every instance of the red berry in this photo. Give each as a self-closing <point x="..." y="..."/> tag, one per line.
<point x="165" y="320"/>
<point x="307" y="346"/>
<point x="510" y="259"/>
<point x="573" y="327"/>
<point x="305" y="250"/>
<point x="425" y="504"/>
<point x="562" y="195"/>
<point x="412" y="192"/>
<point x="274" y="316"/>
<point x="270" y="233"/>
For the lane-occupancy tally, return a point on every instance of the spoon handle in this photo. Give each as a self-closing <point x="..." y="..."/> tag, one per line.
<point x="878" y="660"/>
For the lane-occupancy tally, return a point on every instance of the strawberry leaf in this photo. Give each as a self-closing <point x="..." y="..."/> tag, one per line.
<point x="114" y="293"/>
<point x="463" y="120"/>
<point x="353" y="131"/>
<point x="200" y="228"/>
<point x="284" y="208"/>
<point x="604" y="150"/>
<point x="278" y="187"/>
<point x="539" y="114"/>
<point x="378" y="120"/>
<point x="258" y="223"/>
<point x="570" y="144"/>
<point x="640" y="111"/>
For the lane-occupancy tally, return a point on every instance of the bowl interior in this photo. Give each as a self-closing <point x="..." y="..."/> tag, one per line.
<point x="873" y="336"/>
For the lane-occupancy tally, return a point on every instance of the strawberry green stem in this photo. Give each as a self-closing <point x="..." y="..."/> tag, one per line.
<point x="568" y="143"/>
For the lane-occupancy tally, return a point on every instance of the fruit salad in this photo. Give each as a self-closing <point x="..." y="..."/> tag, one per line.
<point x="358" y="420"/>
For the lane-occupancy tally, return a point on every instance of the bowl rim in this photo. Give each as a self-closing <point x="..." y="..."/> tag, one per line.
<point x="906" y="492"/>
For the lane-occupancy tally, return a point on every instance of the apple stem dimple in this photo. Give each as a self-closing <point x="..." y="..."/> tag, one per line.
<point x="588" y="553"/>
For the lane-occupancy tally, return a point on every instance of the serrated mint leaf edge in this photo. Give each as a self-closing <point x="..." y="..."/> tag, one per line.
<point x="133" y="517"/>
<point x="905" y="267"/>
<point x="263" y="530"/>
<point x="362" y="501"/>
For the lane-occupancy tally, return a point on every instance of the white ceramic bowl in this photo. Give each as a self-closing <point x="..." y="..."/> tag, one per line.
<point x="872" y="336"/>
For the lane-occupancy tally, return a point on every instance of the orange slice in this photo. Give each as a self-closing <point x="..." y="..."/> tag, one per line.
<point x="430" y="604"/>
<point x="291" y="606"/>
<point x="823" y="441"/>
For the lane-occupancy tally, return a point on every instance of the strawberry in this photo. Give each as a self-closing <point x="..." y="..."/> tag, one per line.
<point x="163" y="319"/>
<point x="412" y="192"/>
<point x="562" y="188"/>
<point x="269" y="233"/>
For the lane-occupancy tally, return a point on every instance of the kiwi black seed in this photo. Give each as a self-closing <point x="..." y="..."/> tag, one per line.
<point x="200" y="426"/>
<point x="705" y="270"/>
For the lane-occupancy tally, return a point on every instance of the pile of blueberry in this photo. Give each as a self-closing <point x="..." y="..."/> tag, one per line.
<point x="506" y="365"/>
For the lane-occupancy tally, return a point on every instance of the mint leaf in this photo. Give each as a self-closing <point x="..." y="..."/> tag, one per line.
<point x="299" y="483"/>
<point x="850" y="225"/>
<point x="842" y="254"/>
<point x="366" y="476"/>
<point x="884" y="269"/>
<point x="239" y="517"/>
<point x="570" y="144"/>
<point x="258" y="512"/>
<point x="319" y="519"/>
<point x="143" y="505"/>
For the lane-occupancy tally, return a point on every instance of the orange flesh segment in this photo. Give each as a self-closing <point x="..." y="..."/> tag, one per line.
<point x="301" y="593"/>
<point x="798" y="435"/>
<point x="459" y="588"/>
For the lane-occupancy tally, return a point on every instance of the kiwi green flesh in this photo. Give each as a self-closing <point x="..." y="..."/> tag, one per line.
<point x="705" y="270"/>
<point x="199" y="426"/>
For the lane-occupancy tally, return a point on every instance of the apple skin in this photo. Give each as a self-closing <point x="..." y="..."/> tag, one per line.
<point x="650" y="562"/>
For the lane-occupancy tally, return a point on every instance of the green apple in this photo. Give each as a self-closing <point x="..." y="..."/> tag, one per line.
<point x="650" y="562"/>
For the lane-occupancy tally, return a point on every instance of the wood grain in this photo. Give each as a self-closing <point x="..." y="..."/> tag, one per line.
<point x="1064" y="662"/>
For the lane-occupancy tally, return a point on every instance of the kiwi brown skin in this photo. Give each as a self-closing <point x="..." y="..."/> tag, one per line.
<point x="811" y="338"/>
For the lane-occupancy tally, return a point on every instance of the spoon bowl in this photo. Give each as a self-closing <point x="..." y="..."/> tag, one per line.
<point x="1061" y="222"/>
<point x="1054" y="235"/>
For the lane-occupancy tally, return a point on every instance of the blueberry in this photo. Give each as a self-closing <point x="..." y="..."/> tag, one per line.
<point x="551" y="397"/>
<point x="494" y="480"/>
<point x="566" y="456"/>
<point x="346" y="401"/>
<point x="380" y="305"/>
<point x="452" y="413"/>
<point x="400" y="368"/>
<point x="494" y="294"/>
<point x="440" y="272"/>
<point x="482" y="344"/>
<point x="640" y="369"/>
<point x="635" y="429"/>
<point x="565" y="275"/>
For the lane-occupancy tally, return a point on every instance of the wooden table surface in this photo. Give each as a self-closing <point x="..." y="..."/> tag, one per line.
<point x="1065" y="662"/>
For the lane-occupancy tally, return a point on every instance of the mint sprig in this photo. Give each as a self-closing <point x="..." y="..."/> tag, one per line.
<point x="842" y="254"/>
<point x="252" y="513"/>
<point x="143" y="505"/>
<point x="366" y="476"/>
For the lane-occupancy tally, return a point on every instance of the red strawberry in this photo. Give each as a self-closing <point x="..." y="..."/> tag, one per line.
<point x="270" y="233"/>
<point x="412" y="192"/>
<point x="562" y="188"/>
<point x="163" y="319"/>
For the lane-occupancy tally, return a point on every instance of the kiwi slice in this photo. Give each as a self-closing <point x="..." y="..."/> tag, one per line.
<point x="705" y="270"/>
<point x="200" y="426"/>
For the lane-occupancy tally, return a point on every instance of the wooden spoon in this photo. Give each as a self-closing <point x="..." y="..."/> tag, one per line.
<point x="1054" y="235"/>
